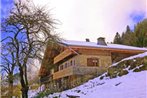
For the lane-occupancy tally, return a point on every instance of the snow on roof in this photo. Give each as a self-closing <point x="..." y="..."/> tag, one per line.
<point x="94" y="44"/>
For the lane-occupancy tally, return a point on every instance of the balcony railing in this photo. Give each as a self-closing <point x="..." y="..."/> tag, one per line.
<point x="78" y="70"/>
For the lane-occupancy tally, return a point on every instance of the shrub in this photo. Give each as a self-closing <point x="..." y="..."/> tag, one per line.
<point x="123" y="72"/>
<point x="44" y="93"/>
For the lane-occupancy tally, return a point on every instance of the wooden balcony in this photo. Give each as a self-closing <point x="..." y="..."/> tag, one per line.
<point x="62" y="55"/>
<point x="77" y="70"/>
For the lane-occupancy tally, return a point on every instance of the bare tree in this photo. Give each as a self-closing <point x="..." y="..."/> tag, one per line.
<point x="8" y="65"/>
<point x="28" y="29"/>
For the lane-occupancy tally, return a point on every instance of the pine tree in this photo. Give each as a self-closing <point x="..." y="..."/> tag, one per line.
<point x="128" y="37"/>
<point x="117" y="39"/>
<point x="141" y="34"/>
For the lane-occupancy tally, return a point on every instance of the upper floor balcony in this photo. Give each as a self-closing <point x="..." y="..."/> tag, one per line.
<point x="78" y="70"/>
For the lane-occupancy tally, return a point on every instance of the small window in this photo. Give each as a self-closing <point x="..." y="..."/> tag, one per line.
<point x="61" y="67"/>
<point x="71" y="63"/>
<point x="92" y="62"/>
<point x="74" y="62"/>
<point x="65" y="65"/>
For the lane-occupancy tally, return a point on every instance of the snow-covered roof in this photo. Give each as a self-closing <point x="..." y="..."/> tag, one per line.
<point x="95" y="45"/>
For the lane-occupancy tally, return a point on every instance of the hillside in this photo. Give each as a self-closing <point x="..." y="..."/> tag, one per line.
<point x="124" y="79"/>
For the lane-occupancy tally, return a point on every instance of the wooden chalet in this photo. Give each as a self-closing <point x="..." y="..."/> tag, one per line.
<point x="81" y="60"/>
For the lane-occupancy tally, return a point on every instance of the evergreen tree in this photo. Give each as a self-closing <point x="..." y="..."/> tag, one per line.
<point x="117" y="39"/>
<point x="138" y="37"/>
<point x="128" y="37"/>
<point x="128" y="30"/>
<point x="141" y="34"/>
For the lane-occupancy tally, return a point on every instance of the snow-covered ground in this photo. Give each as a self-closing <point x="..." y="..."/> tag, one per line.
<point x="32" y="93"/>
<point x="133" y="85"/>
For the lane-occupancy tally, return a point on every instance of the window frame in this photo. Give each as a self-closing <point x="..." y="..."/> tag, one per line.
<point x="93" y="62"/>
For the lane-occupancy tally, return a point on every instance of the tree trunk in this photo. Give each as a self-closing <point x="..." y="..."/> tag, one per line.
<point x="11" y="89"/>
<point x="24" y="86"/>
<point x="10" y="81"/>
<point x="25" y="92"/>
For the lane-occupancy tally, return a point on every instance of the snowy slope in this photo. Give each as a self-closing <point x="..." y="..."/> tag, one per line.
<point x="132" y="85"/>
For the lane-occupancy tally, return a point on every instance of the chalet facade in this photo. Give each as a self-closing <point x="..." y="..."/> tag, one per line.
<point x="79" y="61"/>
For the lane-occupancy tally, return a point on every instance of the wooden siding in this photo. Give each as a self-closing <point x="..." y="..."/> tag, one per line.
<point x="77" y="70"/>
<point x="94" y="52"/>
<point x="63" y="73"/>
<point x="62" y="55"/>
<point x="87" y="70"/>
<point x="109" y="49"/>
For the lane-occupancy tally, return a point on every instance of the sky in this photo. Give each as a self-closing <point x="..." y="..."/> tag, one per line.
<point x="80" y="19"/>
<point x="5" y="7"/>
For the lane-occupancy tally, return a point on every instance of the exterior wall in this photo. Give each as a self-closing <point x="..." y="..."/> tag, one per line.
<point x="79" y="72"/>
<point x="95" y="52"/>
<point x="104" y="61"/>
<point x="81" y="60"/>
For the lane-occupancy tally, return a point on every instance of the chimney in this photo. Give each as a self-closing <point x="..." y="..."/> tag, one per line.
<point x="87" y="40"/>
<point x="101" y="41"/>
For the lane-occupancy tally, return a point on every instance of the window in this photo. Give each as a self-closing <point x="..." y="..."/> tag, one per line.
<point x="68" y="64"/>
<point x="52" y="71"/>
<point x="74" y="63"/>
<point x="65" y="65"/>
<point x="61" y="67"/>
<point x="71" y="63"/>
<point x="92" y="62"/>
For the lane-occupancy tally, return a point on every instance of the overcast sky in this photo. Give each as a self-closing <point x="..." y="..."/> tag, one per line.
<point x="91" y="19"/>
<point x="94" y="18"/>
